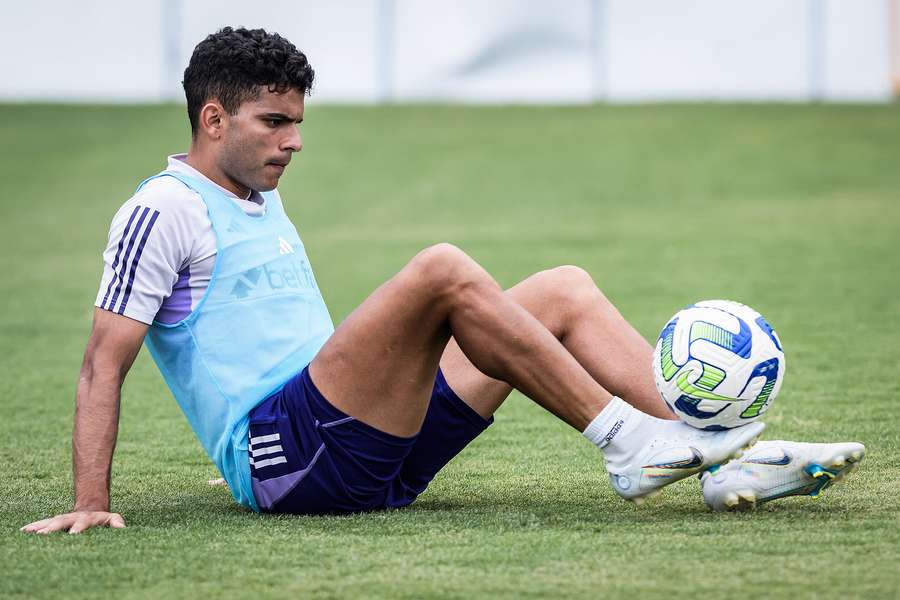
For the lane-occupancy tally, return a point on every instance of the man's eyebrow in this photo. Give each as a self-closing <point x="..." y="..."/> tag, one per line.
<point x="280" y="117"/>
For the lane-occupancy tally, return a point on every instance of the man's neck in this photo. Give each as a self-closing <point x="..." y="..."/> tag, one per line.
<point x="203" y="163"/>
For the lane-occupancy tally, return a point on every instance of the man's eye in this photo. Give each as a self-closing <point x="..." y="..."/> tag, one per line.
<point x="273" y="122"/>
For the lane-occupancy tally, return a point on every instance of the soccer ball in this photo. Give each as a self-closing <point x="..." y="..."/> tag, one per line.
<point x="718" y="364"/>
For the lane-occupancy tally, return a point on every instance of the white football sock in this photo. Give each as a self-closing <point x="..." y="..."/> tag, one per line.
<point x="610" y="429"/>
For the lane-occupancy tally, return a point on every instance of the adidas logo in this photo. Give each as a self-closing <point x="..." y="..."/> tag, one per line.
<point x="612" y="433"/>
<point x="285" y="246"/>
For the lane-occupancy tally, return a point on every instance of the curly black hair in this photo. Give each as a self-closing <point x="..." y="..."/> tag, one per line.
<point x="231" y="64"/>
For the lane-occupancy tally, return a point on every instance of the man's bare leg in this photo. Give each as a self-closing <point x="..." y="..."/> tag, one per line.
<point x="568" y="303"/>
<point x="380" y="364"/>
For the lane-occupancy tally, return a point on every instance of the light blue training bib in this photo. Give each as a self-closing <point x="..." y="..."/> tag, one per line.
<point x="261" y="321"/>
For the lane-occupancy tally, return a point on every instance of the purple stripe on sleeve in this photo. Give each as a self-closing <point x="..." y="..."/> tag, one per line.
<point x="178" y="305"/>
<point x="118" y="252"/>
<point x="136" y="260"/>
<point x="123" y="270"/>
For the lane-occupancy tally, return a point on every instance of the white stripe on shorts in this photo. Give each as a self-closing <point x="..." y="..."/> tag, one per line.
<point x="262" y="439"/>
<point x="266" y="450"/>
<point x="267" y="462"/>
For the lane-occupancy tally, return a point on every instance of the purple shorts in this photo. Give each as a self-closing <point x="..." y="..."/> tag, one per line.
<point x="307" y="457"/>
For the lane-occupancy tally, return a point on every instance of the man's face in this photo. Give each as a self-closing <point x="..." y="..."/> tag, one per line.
<point x="260" y="138"/>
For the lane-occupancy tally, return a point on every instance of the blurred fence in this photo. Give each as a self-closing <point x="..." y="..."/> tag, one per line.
<point x="494" y="51"/>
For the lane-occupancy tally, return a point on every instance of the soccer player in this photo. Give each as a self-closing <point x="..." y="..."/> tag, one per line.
<point x="205" y="268"/>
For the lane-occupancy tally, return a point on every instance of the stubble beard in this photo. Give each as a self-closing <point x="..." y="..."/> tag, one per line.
<point x="234" y="165"/>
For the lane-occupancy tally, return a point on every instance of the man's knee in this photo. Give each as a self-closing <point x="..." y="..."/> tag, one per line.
<point x="571" y="289"/>
<point x="439" y="265"/>
<point x="446" y="272"/>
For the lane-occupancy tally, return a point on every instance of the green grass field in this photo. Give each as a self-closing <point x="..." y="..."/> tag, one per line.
<point x="794" y="210"/>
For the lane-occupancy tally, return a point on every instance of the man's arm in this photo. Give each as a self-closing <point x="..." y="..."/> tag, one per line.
<point x="113" y="345"/>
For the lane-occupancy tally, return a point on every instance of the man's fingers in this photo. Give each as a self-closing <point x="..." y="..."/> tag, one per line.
<point x="42" y="524"/>
<point x="116" y="521"/>
<point x="97" y="519"/>
<point x="49" y="525"/>
<point x="76" y="522"/>
<point x="79" y="525"/>
<point x="32" y="527"/>
<point x="60" y="523"/>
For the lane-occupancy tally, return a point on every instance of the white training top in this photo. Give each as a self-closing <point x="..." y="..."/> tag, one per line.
<point x="161" y="249"/>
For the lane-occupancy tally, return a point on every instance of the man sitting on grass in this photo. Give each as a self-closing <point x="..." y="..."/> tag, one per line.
<point x="204" y="266"/>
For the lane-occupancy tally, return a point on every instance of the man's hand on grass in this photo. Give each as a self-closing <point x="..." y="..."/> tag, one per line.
<point x="114" y="343"/>
<point x="76" y="522"/>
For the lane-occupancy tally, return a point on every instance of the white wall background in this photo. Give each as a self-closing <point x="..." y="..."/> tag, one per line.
<point x="494" y="51"/>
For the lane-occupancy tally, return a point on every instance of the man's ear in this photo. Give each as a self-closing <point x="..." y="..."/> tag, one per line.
<point x="211" y="121"/>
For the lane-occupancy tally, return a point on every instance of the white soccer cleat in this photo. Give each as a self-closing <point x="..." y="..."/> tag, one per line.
<point x="674" y="451"/>
<point x="772" y="470"/>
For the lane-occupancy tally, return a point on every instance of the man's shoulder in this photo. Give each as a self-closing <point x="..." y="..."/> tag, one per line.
<point x="167" y="196"/>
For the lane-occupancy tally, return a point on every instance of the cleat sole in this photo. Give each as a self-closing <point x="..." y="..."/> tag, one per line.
<point x="746" y="500"/>
<point x="639" y="500"/>
<point x="825" y="477"/>
<point x="739" y="500"/>
<point x="818" y="471"/>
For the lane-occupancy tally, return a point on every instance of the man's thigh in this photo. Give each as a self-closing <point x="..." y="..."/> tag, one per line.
<point x="379" y="365"/>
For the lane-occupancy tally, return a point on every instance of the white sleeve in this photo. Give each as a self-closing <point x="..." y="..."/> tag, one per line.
<point x="150" y="241"/>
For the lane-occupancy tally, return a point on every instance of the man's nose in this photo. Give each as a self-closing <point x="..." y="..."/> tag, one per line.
<point x="293" y="142"/>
